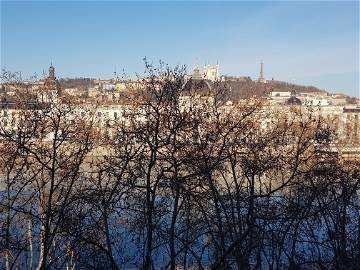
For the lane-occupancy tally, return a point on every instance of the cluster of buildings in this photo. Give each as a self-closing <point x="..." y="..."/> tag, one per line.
<point x="109" y="90"/>
<point x="333" y="108"/>
<point x="322" y="99"/>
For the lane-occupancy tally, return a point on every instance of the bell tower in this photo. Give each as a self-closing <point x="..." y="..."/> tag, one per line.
<point x="52" y="72"/>
<point x="51" y="85"/>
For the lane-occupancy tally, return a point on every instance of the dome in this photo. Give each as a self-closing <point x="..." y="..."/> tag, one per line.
<point x="293" y="101"/>
<point x="199" y="86"/>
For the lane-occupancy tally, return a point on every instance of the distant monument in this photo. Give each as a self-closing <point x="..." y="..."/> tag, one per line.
<point x="51" y="87"/>
<point x="197" y="73"/>
<point x="199" y="82"/>
<point x="51" y="73"/>
<point x="211" y="73"/>
<point x="261" y="78"/>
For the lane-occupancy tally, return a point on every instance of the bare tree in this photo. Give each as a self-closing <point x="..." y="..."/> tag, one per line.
<point x="181" y="178"/>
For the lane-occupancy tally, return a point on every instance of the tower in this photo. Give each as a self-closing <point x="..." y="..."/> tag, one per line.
<point x="261" y="78"/>
<point x="51" y="87"/>
<point x="197" y="73"/>
<point x="52" y="72"/>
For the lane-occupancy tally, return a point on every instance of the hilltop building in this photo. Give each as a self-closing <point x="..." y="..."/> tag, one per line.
<point x="197" y="82"/>
<point x="197" y="73"/>
<point x="211" y="73"/>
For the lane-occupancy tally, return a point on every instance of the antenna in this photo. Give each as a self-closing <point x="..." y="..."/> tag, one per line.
<point x="115" y="74"/>
<point x="261" y="78"/>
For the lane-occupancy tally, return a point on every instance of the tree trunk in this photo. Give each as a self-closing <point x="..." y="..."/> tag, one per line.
<point x="30" y="244"/>
<point x="172" y="228"/>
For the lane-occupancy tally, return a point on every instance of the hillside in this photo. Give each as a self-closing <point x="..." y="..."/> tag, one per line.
<point x="248" y="88"/>
<point x="239" y="88"/>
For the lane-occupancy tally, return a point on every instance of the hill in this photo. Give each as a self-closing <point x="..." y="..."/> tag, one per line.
<point x="246" y="88"/>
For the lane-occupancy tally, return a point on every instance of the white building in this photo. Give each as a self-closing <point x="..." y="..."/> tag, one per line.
<point x="211" y="73"/>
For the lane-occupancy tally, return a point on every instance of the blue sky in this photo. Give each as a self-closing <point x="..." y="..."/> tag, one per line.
<point x="310" y="43"/>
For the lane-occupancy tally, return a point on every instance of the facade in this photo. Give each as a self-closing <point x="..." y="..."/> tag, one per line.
<point x="212" y="73"/>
